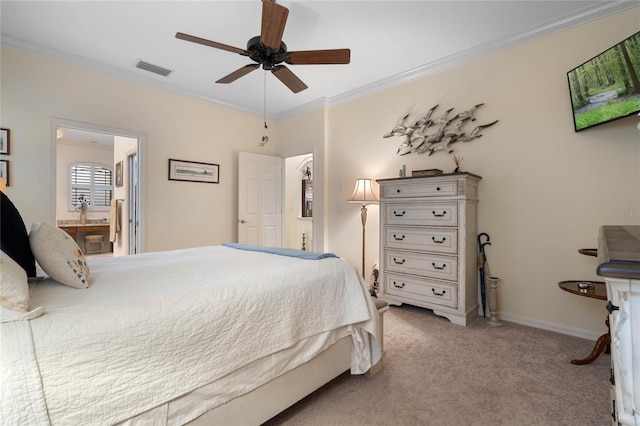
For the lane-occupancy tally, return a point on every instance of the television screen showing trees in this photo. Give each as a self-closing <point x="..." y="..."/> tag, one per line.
<point x="606" y="87"/>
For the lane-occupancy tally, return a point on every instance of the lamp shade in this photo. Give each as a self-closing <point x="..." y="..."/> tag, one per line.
<point x="363" y="192"/>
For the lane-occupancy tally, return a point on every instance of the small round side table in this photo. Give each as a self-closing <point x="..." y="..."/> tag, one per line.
<point x="594" y="290"/>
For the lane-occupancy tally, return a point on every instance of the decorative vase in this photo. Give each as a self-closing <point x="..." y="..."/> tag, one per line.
<point x="83" y="218"/>
<point x="493" y="302"/>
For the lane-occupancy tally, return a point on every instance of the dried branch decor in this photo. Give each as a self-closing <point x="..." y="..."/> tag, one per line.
<point x="446" y="131"/>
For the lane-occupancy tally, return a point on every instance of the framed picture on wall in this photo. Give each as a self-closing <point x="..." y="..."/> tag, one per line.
<point x="4" y="171"/>
<point x="4" y="141"/>
<point x="193" y="171"/>
<point x="119" y="174"/>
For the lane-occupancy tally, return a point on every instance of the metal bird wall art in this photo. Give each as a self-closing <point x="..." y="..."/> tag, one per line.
<point x="428" y="135"/>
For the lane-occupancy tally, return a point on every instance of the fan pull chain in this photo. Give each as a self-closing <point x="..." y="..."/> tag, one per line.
<point x="265" y="138"/>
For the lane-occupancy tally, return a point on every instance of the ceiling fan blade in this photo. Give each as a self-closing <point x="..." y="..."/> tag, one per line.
<point x="289" y="79"/>
<point x="238" y="73"/>
<point x="194" y="39"/>
<point x="318" y="57"/>
<point x="274" y="18"/>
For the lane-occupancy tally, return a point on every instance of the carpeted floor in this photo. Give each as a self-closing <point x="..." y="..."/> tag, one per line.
<point x="437" y="373"/>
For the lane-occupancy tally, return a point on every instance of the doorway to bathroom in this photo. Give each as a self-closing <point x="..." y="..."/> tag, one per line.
<point x="100" y="166"/>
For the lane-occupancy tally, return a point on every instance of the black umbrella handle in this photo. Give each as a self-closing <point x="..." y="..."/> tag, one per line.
<point x="482" y="244"/>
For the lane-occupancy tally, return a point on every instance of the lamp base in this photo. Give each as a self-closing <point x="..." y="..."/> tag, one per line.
<point x="363" y="218"/>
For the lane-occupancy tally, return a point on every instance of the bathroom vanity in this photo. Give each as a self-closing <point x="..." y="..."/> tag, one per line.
<point x="78" y="230"/>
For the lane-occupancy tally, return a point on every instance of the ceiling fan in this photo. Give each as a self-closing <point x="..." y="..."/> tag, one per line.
<point x="269" y="51"/>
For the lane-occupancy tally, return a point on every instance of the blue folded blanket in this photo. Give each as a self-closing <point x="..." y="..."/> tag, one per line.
<point x="282" y="251"/>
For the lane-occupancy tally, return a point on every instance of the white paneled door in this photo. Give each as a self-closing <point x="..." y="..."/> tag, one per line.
<point x="259" y="199"/>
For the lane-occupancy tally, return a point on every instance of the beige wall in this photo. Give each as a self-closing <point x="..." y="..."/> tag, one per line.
<point x="544" y="193"/>
<point x="545" y="189"/>
<point x="176" y="214"/>
<point x="306" y="133"/>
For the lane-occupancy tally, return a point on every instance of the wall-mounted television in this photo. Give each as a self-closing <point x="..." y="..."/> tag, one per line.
<point x="606" y="87"/>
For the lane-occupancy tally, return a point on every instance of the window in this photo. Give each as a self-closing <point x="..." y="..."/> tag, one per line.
<point x="92" y="181"/>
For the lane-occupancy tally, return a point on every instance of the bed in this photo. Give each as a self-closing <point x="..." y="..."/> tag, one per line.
<point x="211" y="335"/>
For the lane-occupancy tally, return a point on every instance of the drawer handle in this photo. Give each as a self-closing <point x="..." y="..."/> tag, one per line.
<point x="398" y="263"/>
<point x="439" y="241"/>
<point x="396" y="214"/>
<point x="397" y="191"/>
<point x="398" y="285"/>
<point x="440" y="268"/>
<point x="395" y="237"/>
<point x="438" y="294"/>
<point x="437" y="188"/>
<point x="611" y="307"/>
<point x="439" y="215"/>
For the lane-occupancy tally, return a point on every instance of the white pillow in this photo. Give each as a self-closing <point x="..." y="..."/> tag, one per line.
<point x="59" y="255"/>
<point x="14" y="291"/>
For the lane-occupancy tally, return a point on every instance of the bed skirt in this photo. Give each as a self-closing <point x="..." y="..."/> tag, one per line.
<point x="260" y="404"/>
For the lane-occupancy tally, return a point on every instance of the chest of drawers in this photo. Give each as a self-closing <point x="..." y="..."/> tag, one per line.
<point x="428" y="247"/>
<point x="619" y="264"/>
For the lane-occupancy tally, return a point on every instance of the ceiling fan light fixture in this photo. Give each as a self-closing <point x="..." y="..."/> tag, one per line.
<point x="269" y="51"/>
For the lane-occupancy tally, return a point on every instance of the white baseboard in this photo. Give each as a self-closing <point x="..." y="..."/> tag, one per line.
<point x="562" y="329"/>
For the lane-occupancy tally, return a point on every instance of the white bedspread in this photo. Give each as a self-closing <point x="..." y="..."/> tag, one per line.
<point x="153" y="327"/>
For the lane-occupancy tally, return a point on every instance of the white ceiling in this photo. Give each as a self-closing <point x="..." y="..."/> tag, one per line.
<point x="390" y="41"/>
<point x="69" y="134"/>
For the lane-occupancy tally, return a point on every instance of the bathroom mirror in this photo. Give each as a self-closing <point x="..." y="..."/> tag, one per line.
<point x="307" y="198"/>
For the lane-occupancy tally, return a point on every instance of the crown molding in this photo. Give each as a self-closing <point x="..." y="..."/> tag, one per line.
<point x="309" y="106"/>
<point x="600" y="10"/>
<point x="81" y="62"/>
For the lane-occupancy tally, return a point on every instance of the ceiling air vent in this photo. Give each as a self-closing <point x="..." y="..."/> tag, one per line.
<point x="153" y="68"/>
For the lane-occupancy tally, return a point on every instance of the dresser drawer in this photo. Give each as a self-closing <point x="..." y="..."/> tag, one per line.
<point x="439" y="240"/>
<point x="421" y="289"/>
<point x="433" y="214"/>
<point x="417" y="188"/>
<point x="428" y="265"/>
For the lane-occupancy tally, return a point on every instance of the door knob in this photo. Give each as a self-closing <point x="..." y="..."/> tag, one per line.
<point x="243" y="221"/>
